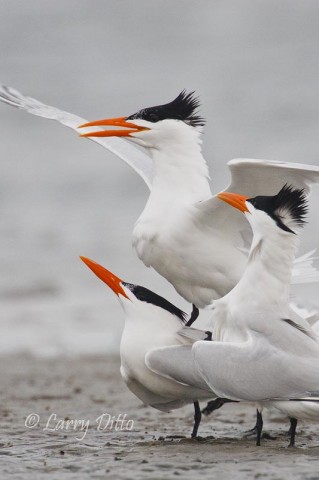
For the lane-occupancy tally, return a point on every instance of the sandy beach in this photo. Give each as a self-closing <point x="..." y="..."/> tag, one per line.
<point x="140" y="442"/>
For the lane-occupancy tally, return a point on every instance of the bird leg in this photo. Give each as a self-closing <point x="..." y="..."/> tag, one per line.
<point x="194" y="315"/>
<point x="252" y="431"/>
<point x="197" y="419"/>
<point x="215" y="405"/>
<point x="259" y="427"/>
<point x="292" y="431"/>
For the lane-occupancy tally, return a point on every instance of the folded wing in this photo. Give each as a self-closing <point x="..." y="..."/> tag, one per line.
<point x="256" y="370"/>
<point x="176" y="363"/>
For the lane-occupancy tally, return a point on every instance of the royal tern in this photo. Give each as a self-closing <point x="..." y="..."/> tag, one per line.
<point x="259" y="354"/>
<point x="184" y="233"/>
<point x="151" y="322"/>
<point x="197" y="246"/>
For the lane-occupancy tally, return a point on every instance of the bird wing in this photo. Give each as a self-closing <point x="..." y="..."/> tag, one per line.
<point x="301" y="408"/>
<point x="252" y="177"/>
<point x="176" y="363"/>
<point x="137" y="159"/>
<point x="266" y="177"/>
<point x="304" y="269"/>
<point x="261" y="368"/>
<point x="144" y="394"/>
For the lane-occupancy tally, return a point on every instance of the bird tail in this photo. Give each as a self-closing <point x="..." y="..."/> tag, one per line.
<point x="305" y="399"/>
<point x="194" y="334"/>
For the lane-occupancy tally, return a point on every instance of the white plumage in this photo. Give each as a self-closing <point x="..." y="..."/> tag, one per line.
<point x="150" y="324"/>
<point x="184" y="232"/>
<point x="200" y="245"/>
<point x="259" y="354"/>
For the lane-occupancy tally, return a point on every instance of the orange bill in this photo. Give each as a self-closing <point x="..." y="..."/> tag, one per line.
<point x="106" y="276"/>
<point x="235" y="200"/>
<point x="113" y="122"/>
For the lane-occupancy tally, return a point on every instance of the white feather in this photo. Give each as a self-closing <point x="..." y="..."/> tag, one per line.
<point x="187" y="235"/>
<point x="137" y="159"/>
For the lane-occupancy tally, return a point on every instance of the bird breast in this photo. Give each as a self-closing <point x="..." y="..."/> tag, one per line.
<point x="200" y="265"/>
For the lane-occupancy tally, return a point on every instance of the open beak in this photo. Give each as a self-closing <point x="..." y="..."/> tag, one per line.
<point x="114" y="122"/>
<point x="106" y="276"/>
<point x="235" y="200"/>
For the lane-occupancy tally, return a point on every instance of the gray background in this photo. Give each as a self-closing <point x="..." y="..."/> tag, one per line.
<point x="255" y="66"/>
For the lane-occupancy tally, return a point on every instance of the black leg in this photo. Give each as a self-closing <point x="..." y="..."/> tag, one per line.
<point x="197" y="419"/>
<point x="252" y="431"/>
<point x="215" y="405"/>
<point x="259" y="427"/>
<point x="292" y="431"/>
<point x="194" y="315"/>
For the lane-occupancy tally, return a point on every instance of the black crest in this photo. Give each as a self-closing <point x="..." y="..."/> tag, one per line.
<point x="148" y="296"/>
<point x="184" y="108"/>
<point x="289" y="206"/>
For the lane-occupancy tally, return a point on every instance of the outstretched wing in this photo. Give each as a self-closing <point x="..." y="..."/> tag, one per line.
<point x="266" y="177"/>
<point x="138" y="160"/>
<point x="253" y="177"/>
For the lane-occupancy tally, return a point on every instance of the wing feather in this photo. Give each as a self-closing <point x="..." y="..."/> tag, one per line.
<point x="137" y="159"/>
<point x="266" y="177"/>
<point x="252" y="177"/>
<point x="256" y="370"/>
<point x="176" y="363"/>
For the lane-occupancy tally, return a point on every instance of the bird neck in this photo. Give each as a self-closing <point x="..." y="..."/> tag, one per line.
<point x="148" y="327"/>
<point x="267" y="276"/>
<point x="180" y="171"/>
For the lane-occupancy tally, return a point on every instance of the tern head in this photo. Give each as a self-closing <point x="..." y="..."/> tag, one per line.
<point x="153" y="126"/>
<point x="284" y="212"/>
<point x="137" y="302"/>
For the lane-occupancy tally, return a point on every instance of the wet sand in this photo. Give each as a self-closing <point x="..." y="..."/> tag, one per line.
<point x="138" y="445"/>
